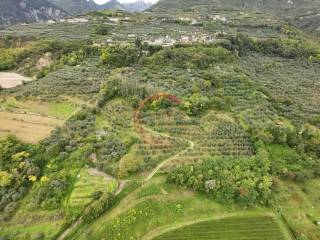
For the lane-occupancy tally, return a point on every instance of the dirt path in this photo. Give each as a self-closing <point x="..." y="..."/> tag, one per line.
<point x="70" y="229"/>
<point x="96" y="172"/>
<point x="93" y="172"/>
<point x="107" y="177"/>
<point x="120" y="187"/>
<point x="163" y="163"/>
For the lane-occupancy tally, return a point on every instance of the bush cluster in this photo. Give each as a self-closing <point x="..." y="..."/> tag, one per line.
<point x="199" y="57"/>
<point x="246" y="180"/>
<point x="98" y="207"/>
<point x="19" y="168"/>
<point x="287" y="48"/>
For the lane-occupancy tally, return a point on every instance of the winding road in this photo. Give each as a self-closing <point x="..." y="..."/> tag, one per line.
<point x="94" y="172"/>
<point x="121" y="184"/>
<point x="163" y="163"/>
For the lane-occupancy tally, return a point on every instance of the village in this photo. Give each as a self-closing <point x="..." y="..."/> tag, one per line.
<point x="152" y="37"/>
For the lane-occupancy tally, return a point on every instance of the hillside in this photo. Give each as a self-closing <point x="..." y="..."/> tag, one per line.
<point x="304" y="14"/>
<point x="194" y="120"/>
<point x="79" y="7"/>
<point x="76" y="7"/>
<point x="23" y="11"/>
<point x="277" y="6"/>
<point x="12" y="12"/>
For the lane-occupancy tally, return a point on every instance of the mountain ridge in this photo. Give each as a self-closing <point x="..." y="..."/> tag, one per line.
<point x="28" y="11"/>
<point x="137" y="6"/>
<point x="76" y="7"/>
<point x="79" y="7"/>
<point x="111" y="5"/>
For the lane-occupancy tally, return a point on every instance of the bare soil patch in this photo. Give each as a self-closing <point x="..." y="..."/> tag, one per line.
<point x="10" y="80"/>
<point x="28" y="128"/>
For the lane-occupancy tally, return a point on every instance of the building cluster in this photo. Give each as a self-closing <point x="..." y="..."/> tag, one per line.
<point x="168" y="41"/>
<point x="110" y="20"/>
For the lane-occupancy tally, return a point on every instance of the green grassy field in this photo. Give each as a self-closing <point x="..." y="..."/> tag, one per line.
<point x="63" y="109"/>
<point x="157" y="207"/>
<point x="299" y="204"/>
<point x="32" y="120"/>
<point x="248" y="228"/>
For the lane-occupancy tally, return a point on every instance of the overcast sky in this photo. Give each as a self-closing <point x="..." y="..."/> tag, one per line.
<point x="123" y="1"/>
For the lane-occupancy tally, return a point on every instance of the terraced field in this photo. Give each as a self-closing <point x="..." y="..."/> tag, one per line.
<point x="246" y="228"/>
<point x="89" y="182"/>
<point x="195" y="120"/>
<point x="147" y="151"/>
<point x="303" y="93"/>
<point x="213" y="134"/>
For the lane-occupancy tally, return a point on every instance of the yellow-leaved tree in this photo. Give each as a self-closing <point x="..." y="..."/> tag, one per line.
<point x="5" y="179"/>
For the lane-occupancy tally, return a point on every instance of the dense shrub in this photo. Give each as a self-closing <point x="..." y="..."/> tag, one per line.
<point x="120" y="56"/>
<point x="240" y="43"/>
<point x="246" y="181"/>
<point x="288" y="48"/>
<point x="196" y="104"/>
<point x="18" y="169"/>
<point x="98" y="207"/>
<point x="151" y="49"/>
<point x="311" y="139"/>
<point x="73" y="58"/>
<point x="26" y="55"/>
<point x="52" y="192"/>
<point x="200" y="57"/>
<point x="8" y="58"/>
<point x="108" y="91"/>
<point x="101" y="30"/>
<point x="66" y="149"/>
<point x="109" y="151"/>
